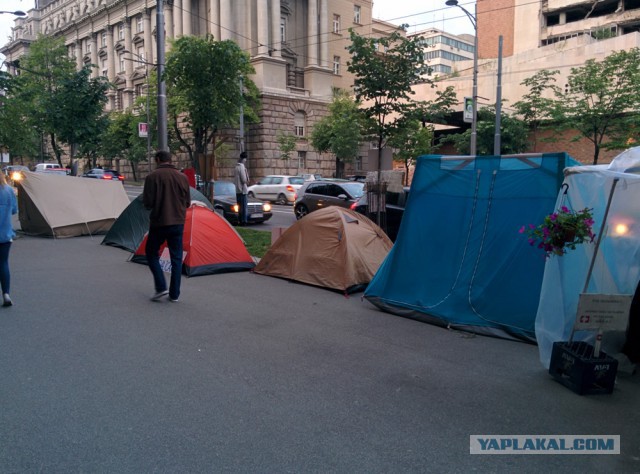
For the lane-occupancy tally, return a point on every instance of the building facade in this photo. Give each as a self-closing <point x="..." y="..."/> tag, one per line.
<point x="443" y="50"/>
<point x="297" y="48"/>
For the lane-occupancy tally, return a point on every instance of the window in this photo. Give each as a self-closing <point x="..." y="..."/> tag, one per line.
<point x="336" y="23"/>
<point x="119" y="99"/>
<point x="283" y="29"/>
<point x="138" y="90"/>
<point x="302" y="159"/>
<point x="336" y="65"/>
<point x="103" y="39"/>
<point x="298" y="123"/>
<point x="359" y="163"/>
<point x="121" y="61"/>
<point x="276" y="180"/>
<point x="88" y="46"/>
<point x="356" y="14"/>
<point x="103" y="67"/>
<point x="317" y="189"/>
<point x="139" y="24"/>
<point x="121" y="31"/>
<point x="141" y="55"/>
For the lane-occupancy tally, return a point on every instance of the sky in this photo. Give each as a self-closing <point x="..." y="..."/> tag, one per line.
<point x="419" y="15"/>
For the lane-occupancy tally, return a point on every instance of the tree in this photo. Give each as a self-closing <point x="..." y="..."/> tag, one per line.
<point x="121" y="139"/>
<point x="513" y="133"/>
<point x="383" y="80"/>
<point x="602" y="100"/>
<point x="412" y="141"/>
<point x="203" y="86"/>
<point x="17" y="136"/>
<point x="340" y="132"/>
<point x="286" y="143"/>
<point x="537" y="107"/>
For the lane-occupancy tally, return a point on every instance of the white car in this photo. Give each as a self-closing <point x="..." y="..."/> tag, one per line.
<point x="280" y="189"/>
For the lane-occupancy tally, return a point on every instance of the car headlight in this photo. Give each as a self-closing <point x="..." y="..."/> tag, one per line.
<point x="235" y="208"/>
<point x="266" y="207"/>
<point x="16" y="176"/>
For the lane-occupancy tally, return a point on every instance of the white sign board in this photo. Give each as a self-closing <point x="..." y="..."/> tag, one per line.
<point x="143" y="129"/>
<point x="606" y="312"/>
<point x="467" y="113"/>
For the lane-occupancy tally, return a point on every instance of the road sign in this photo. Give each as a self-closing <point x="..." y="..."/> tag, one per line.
<point x="143" y="129"/>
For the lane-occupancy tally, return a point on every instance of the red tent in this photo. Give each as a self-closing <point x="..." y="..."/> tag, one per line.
<point x="210" y="245"/>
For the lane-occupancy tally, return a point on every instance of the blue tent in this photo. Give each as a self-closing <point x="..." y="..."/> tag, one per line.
<point x="459" y="260"/>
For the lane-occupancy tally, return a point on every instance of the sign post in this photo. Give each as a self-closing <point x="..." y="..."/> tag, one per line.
<point x="143" y="130"/>
<point x="467" y="113"/>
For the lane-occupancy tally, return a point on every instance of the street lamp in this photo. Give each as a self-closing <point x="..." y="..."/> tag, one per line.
<point x="16" y="13"/>
<point x="146" y="73"/>
<point x="474" y="120"/>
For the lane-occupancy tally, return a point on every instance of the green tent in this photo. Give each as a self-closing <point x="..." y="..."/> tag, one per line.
<point x="129" y="228"/>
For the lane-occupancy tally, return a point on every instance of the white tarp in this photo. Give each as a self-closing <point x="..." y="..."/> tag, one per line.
<point x="617" y="264"/>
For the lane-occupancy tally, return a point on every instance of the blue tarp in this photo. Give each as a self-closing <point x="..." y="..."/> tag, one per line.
<point x="459" y="259"/>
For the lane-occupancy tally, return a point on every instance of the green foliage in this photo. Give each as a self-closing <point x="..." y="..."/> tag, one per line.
<point x="602" y="100"/>
<point x="513" y="134"/>
<point x="286" y="143"/>
<point x="383" y="81"/>
<point x="340" y="132"/>
<point x="412" y="141"/>
<point x="203" y="86"/>
<point x="121" y="139"/>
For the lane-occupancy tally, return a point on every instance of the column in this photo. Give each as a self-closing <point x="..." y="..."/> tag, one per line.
<point x="168" y="19"/>
<point x="226" y="25"/>
<point x="275" y="28"/>
<point x="78" y="48"/>
<point x="312" y="37"/>
<point x="324" y="33"/>
<point x="128" y="65"/>
<point x="263" y="28"/>
<point x="148" y="42"/>
<point x="111" y="66"/>
<point x="177" y="18"/>
<point x="95" y="69"/>
<point x="214" y="7"/>
<point x="186" y="17"/>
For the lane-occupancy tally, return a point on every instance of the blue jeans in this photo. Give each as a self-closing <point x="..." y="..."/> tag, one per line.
<point x="172" y="234"/>
<point x="5" y="277"/>
<point x="243" y="216"/>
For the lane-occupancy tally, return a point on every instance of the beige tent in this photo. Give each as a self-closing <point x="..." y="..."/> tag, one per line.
<point x="333" y="247"/>
<point x="68" y="206"/>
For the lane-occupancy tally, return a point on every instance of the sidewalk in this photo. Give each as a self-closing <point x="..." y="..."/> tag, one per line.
<point x="249" y="373"/>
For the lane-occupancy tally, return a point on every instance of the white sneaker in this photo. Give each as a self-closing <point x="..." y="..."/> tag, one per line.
<point x="6" y="300"/>
<point x="159" y="294"/>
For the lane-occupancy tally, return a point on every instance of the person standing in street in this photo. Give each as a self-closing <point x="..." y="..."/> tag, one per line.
<point x="241" y="179"/>
<point x="8" y="207"/>
<point x="166" y="194"/>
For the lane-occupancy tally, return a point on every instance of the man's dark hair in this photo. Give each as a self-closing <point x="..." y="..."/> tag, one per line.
<point x="243" y="156"/>
<point x="163" y="156"/>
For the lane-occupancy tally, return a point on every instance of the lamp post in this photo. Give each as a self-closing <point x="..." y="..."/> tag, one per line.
<point x="163" y="138"/>
<point x="146" y="73"/>
<point x="16" y="13"/>
<point x="474" y="121"/>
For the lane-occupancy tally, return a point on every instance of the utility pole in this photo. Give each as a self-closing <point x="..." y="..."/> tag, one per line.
<point x="497" y="138"/>
<point x="162" y="88"/>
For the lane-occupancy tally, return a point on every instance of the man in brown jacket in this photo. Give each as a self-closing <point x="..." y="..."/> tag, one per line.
<point x="166" y="194"/>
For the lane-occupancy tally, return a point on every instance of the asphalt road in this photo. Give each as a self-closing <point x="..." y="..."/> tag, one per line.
<point x="249" y="373"/>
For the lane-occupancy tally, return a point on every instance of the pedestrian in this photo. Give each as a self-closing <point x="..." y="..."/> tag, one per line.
<point x="8" y="207"/>
<point x="241" y="179"/>
<point x="166" y="194"/>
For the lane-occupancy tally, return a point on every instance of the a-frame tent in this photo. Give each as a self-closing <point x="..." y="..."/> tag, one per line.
<point x="459" y="260"/>
<point x="133" y="223"/>
<point x="210" y="245"/>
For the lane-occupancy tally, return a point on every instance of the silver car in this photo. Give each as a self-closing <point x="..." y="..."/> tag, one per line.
<point x="318" y="194"/>
<point x="280" y="189"/>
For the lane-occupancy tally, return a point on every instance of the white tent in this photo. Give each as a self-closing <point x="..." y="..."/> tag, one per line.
<point x="67" y="206"/>
<point x="617" y="265"/>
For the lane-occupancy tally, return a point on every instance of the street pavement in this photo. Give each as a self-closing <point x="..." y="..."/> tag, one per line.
<point x="249" y="373"/>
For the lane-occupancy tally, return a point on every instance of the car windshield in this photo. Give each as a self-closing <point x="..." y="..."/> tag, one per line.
<point x="355" y="189"/>
<point x="296" y="180"/>
<point x="224" y="188"/>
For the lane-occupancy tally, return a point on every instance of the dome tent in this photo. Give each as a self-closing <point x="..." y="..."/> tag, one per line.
<point x="333" y="248"/>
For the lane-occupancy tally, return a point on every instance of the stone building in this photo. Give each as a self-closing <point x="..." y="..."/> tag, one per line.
<point x="297" y="49"/>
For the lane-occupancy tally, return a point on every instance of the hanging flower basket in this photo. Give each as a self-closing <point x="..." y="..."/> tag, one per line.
<point x="561" y="231"/>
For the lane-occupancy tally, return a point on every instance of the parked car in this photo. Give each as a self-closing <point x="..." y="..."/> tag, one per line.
<point x="310" y="177"/>
<point x="394" y="205"/>
<point x="47" y="166"/>
<point x="225" y="204"/>
<point x="314" y="195"/>
<point x="15" y="173"/>
<point x="357" y="177"/>
<point x="280" y="189"/>
<point x="99" y="173"/>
